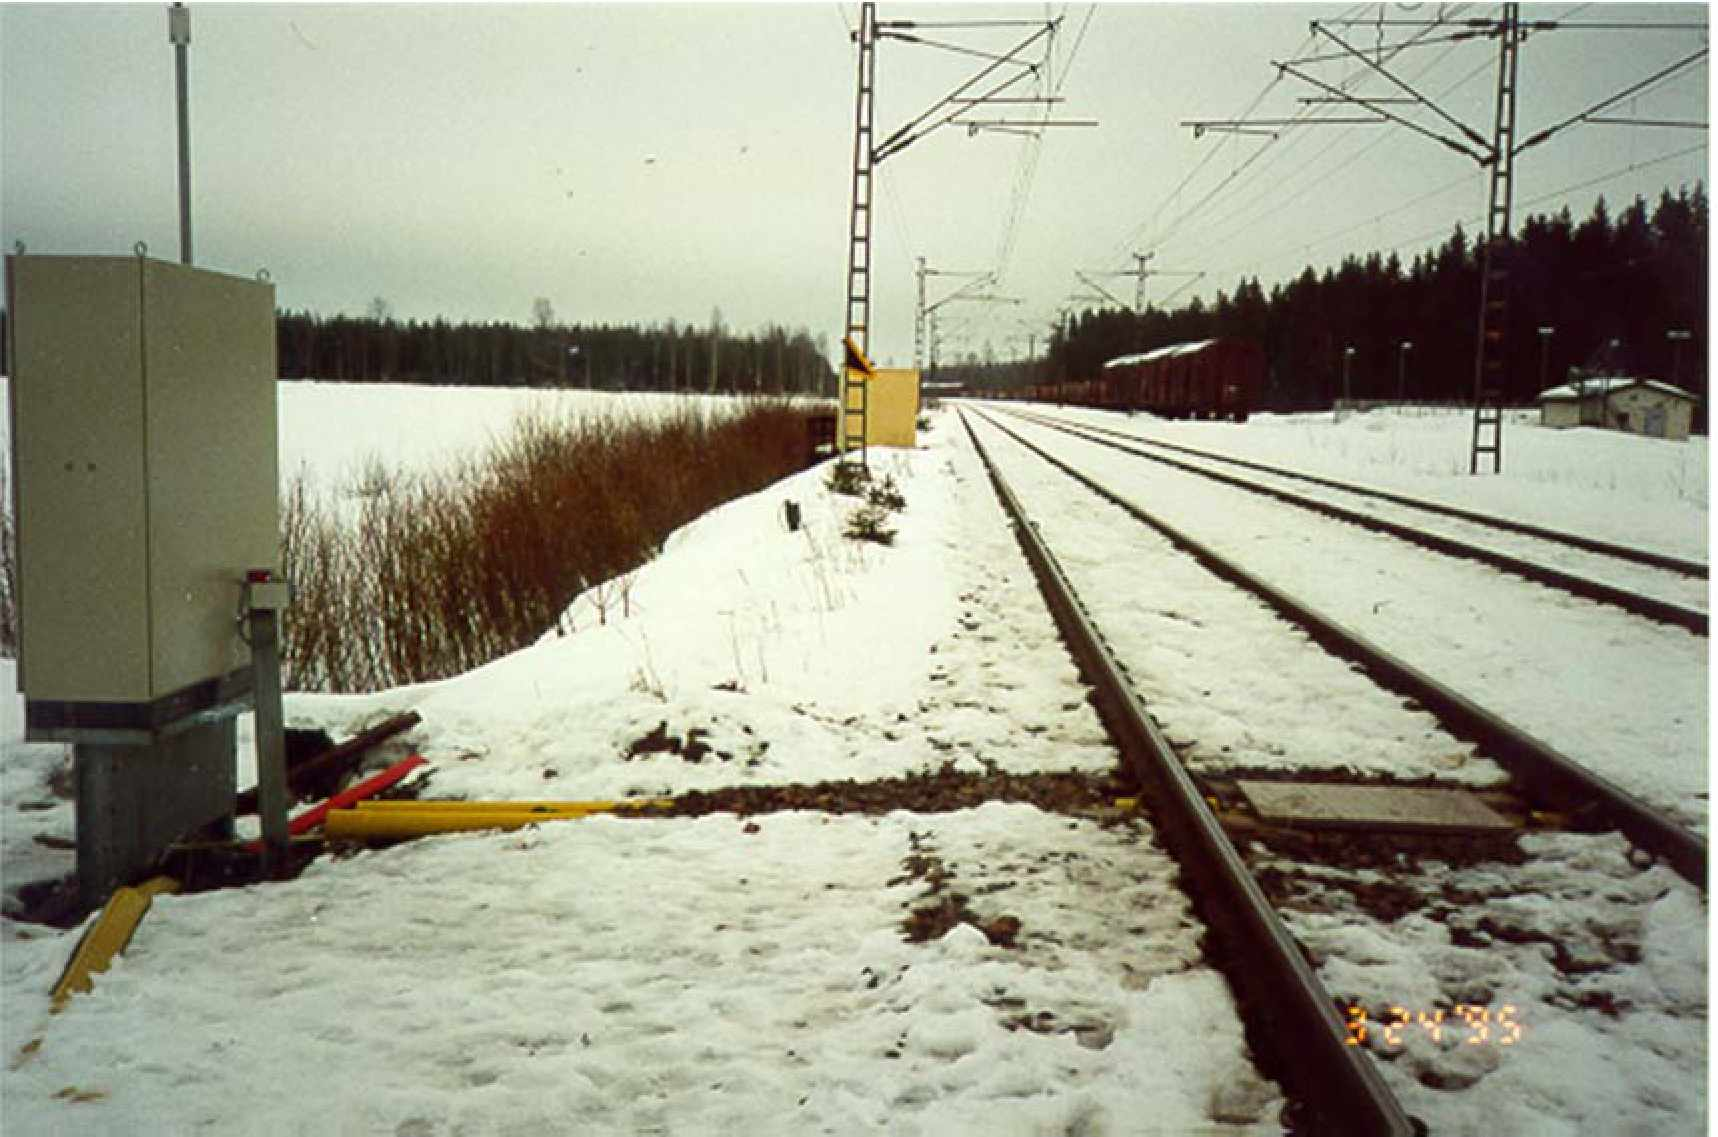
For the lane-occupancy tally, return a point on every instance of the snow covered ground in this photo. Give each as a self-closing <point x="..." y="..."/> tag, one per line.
<point x="718" y="975"/>
<point x="1663" y="584"/>
<point x="1603" y="964"/>
<point x="1617" y="487"/>
<point x="1625" y="696"/>
<point x="674" y="975"/>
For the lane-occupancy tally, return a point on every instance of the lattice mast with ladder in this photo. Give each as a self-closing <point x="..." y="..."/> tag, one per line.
<point x="1489" y="380"/>
<point x="954" y="109"/>
<point x="1497" y="155"/>
<point x="855" y="380"/>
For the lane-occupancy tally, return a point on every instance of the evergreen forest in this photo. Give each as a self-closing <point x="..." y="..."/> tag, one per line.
<point x="1610" y="288"/>
<point x="377" y="348"/>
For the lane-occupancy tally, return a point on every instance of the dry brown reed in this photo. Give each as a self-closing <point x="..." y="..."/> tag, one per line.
<point x="429" y="576"/>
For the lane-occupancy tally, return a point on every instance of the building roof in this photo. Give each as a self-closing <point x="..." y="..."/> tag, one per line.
<point x="1603" y="386"/>
<point x="1160" y="353"/>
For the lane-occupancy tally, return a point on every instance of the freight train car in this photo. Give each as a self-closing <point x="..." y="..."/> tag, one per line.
<point x="1207" y="379"/>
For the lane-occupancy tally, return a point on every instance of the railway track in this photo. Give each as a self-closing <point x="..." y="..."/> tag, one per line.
<point x="1295" y="1018"/>
<point x="1674" y="586"/>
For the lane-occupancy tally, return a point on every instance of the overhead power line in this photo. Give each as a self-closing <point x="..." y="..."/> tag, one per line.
<point x="1497" y="155"/>
<point x="1305" y="116"/>
<point x="1274" y="197"/>
<point x="1307" y="246"/>
<point x="1540" y="199"/>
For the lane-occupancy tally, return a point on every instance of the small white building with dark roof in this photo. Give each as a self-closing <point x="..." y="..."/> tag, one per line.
<point x="1619" y="402"/>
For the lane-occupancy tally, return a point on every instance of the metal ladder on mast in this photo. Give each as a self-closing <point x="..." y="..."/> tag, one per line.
<point x="1489" y="381"/>
<point x="855" y="389"/>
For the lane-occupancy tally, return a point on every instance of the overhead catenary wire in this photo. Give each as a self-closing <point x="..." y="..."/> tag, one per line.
<point x="1026" y="171"/>
<point x="1274" y="191"/>
<point x="957" y="106"/>
<point x="1539" y="199"/>
<point x="1473" y="219"/>
<point x="1270" y="202"/>
<point x="1306" y="246"/>
<point x="1304" y="117"/>
<point x="1273" y="202"/>
<point x="1133" y="238"/>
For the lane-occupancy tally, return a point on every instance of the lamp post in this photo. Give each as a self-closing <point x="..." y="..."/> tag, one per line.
<point x="1545" y="357"/>
<point x="179" y="35"/>
<point x="1677" y="337"/>
<point x="1347" y="361"/>
<point x="1402" y="351"/>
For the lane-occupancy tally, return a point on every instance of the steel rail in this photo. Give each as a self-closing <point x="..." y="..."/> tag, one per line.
<point x="1289" y="1009"/>
<point x="1592" y="545"/>
<point x="1690" y="619"/>
<point x="1545" y="773"/>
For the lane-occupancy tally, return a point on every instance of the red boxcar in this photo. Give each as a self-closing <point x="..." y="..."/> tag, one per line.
<point x="1206" y="379"/>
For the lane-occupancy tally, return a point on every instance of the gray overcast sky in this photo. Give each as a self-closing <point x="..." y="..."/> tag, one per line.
<point x="640" y="162"/>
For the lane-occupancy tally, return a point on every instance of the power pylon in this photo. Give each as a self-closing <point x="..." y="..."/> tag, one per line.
<point x="855" y="389"/>
<point x="1140" y="273"/>
<point x="1496" y="155"/>
<point x="976" y="279"/>
<point x="992" y="84"/>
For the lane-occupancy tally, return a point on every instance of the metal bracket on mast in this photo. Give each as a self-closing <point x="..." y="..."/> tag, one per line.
<point x="974" y="280"/>
<point x="1497" y="156"/>
<point x="1002" y="71"/>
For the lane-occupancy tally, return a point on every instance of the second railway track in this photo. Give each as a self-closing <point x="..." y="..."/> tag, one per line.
<point x="1192" y="761"/>
<point x="1647" y="583"/>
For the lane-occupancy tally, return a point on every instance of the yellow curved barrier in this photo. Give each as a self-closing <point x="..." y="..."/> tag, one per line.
<point x="108" y="936"/>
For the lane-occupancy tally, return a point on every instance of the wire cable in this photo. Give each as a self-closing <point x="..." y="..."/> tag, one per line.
<point x="1274" y="205"/>
<point x="1135" y="234"/>
<point x="1611" y="175"/>
<point x="1307" y="118"/>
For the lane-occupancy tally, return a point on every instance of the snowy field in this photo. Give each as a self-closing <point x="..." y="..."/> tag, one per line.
<point x="715" y="975"/>
<point x="333" y="432"/>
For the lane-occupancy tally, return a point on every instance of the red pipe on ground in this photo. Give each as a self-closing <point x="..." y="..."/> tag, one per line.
<point x="370" y="786"/>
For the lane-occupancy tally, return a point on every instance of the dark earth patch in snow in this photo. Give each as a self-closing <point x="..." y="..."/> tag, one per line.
<point x="940" y="791"/>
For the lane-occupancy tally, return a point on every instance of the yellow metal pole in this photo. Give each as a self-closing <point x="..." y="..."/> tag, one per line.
<point x="626" y="805"/>
<point x="402" y="824"/>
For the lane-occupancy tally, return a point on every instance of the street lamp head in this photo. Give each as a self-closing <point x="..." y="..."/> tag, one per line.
<point x="1546" y="331"/>
<point x="1407" y="345"/>
<point x="1678" y="334"/>
<point x="1347" y="351"/>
